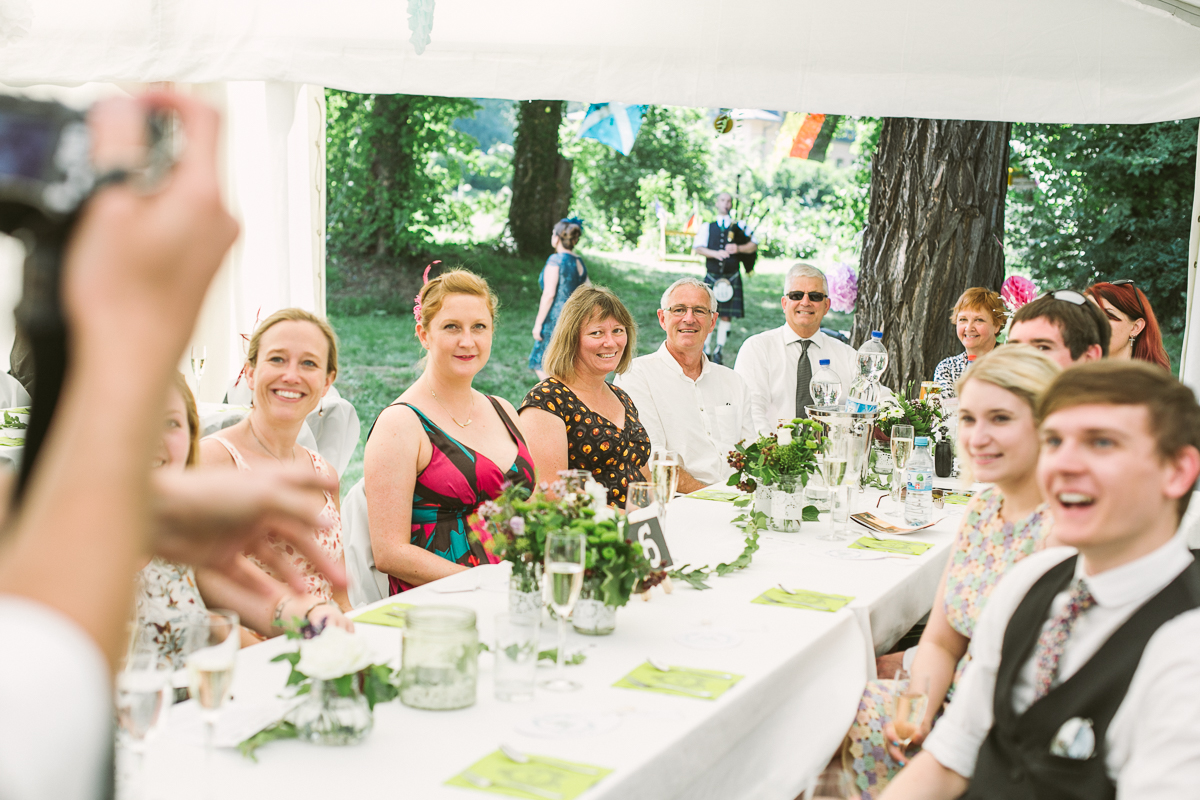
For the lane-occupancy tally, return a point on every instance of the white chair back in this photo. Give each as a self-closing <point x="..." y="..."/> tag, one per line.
<point x="367" y="584"/>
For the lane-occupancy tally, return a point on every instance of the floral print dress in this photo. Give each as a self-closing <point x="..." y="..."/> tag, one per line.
<point x="167" y="603"/>
<point x="615" y="456"/>
<point x="985" y="549"/>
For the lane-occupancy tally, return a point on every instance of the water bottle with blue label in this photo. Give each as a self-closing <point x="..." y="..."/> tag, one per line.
<point x="918" y="502"/>
<point x="825" y="387"/>
<point x="866" y="392"/>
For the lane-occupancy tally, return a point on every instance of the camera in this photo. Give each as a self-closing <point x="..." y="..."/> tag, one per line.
<point x="46" y="177"/>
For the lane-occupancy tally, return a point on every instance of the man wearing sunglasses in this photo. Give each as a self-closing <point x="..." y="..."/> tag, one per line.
<point x="778" y="364"/>
<point x="1065" y="325"/>
<point x="688" y="404"/>
<point x="726" y="248"/>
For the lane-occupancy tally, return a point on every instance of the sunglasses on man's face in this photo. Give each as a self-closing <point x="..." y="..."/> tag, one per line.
<point x="816" y="297"/>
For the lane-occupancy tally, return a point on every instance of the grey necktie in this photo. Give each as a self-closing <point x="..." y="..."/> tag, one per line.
<point x="803" y="378"/>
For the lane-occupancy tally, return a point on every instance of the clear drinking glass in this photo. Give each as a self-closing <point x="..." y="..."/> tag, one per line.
<point x="839" y="513"/>
<point x="664" y="471"/>
<point x="902" y="437"/>
<point x="516" y="657"/>
<point x="213" y="642"/>
<point x="566" y="554"/>
<point x="638" y="495"/>
<point x="574" y="480"/>
<point x="910" y="699"/>
<point x="143" y="695"/>
<point x="835" y="783"/>
<point x="199" y="357"/>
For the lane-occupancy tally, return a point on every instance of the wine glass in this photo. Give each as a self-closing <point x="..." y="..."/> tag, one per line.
<point x="143" y="695"/>
<point x="213" y="642"/>
<point x="835" y="465"/>
<point x="638" y="495"/>
<point x="574" y="480"/>
<point x="664" y="470"/>
<point x="902" y="437"/>
<point x="911" y="697"/>
<point x="199" y="356"/>
<point x="566" y="554"/>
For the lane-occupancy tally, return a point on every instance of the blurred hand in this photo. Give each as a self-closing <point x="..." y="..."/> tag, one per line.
<point x="722" y="254"/>
<point x="537" y="333"/>
<point x="891" y="740"/>
<point x="207" y="517"/>
<point x="731" y="248"/>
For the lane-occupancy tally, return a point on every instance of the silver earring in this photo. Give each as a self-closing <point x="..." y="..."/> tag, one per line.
<point x="1132" y="342"/>
<point x="321" y="410"/>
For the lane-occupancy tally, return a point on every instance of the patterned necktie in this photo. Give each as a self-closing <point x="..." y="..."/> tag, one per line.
<point x="803" y="378"/>
<point x="1050" y="644"/>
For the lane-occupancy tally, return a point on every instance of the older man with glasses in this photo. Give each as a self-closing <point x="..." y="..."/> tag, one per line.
<point x="1065" y="325"/>
<point x="778" y="364"/>
<point x="686" y="402"/>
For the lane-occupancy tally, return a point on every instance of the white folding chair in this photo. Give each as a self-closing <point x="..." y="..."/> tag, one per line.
<point x="367" y="584"/>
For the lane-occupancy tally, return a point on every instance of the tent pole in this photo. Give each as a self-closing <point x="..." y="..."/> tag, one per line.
<point x="1189" y="359"/>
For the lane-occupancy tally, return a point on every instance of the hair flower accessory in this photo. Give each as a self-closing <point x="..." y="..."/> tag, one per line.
<point x="417" y="299"/>
<point x="1017" y="290"/>
<point x="843" y="288"/>
<point x="574" y="221"/>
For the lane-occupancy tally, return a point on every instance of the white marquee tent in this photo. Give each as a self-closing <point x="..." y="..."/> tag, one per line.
<point x="265" y="63"/>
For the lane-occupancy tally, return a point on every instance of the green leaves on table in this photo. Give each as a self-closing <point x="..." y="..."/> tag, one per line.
<point x="497" y="768"/>
<point x="391" y="615"/>
<point x="679" y="682"/>
<point x="698" y="578"/>
<point x="906" y="547"/>
<point x="802" y="598"/>
<point x="279" y="730"/>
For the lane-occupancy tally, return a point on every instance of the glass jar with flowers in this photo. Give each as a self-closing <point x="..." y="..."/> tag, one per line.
<point x="783" y="461"/>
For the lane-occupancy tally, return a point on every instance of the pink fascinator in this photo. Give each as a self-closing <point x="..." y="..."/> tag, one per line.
<point x="417" y="299"/>
<point x="1017" y="290"/>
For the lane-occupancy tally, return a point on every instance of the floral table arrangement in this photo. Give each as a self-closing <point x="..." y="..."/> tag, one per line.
<point x="514" y="526"/>
<point x="343" y="680"/>
<point x="778" y="465"/>
<point x="927" y="417"/>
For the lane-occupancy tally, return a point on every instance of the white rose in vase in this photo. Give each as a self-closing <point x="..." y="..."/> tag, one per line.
<point x="784" y="436"/>
<point x="334" y="653"/>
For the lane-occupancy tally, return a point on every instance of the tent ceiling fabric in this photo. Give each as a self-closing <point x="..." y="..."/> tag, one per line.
<point x="1021" y="60"/>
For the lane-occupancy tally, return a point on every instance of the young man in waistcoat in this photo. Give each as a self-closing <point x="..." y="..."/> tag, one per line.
<point x="1085" y="681"/>
<point x="726" y="248"/>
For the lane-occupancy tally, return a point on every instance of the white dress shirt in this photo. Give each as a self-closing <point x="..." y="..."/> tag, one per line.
<point x="55" y="706"/>
<point x="700" y="419"/>
<point x="1153" y="742"/>
<point x="768" y="362"/>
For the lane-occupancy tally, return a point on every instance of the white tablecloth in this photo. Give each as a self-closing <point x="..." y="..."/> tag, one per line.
<point x="766" y="738"/>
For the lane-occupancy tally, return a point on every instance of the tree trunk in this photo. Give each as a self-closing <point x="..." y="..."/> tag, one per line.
<point x="934" y="229"/>
<point x="541" y="186"/>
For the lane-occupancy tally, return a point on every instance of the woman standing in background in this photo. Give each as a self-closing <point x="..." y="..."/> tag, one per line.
<point x="563" y="274"/>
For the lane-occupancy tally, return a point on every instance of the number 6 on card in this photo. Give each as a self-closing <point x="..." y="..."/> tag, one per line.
<point x="643" y="527"/>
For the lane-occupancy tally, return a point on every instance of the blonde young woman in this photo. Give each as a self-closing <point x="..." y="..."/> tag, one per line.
<point x="978" y="316"/>
<point x="1002" y="525"/>
<point x="443" y="447"/>
<point x="575" y="419"/>
<point x="170" y="593"/>
<point x="290" y="365"/>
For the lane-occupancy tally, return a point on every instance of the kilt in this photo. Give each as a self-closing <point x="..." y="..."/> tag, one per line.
<point x="733" y="308"/>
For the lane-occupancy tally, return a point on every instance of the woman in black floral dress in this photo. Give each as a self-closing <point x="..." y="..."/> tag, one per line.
<point x="575" y="419"/>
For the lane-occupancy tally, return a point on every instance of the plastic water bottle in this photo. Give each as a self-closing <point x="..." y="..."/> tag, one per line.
<point x="918" y="503"/>
<point x="864" y="396"/>
<point x="825" y="387"/>
<point x="872" y="357"/>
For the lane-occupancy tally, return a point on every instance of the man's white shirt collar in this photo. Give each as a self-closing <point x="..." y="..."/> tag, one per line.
<point x="790" y="336"/>
<point x="666" y="356"/>
<point x="1138" y="580"/>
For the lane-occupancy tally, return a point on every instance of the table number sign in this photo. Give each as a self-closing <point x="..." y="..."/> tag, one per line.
<point x="642" y="526"/>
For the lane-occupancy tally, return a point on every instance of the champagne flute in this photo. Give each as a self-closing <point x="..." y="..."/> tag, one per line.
<point x="835" y="467"/>
<point x="639" y="495"/>
<point x="143" y="693"/>
<point x="664" y="470"/>
<point x="198" y="359"/>
<point x="213" y="642"/>
<point x="566" y="555"/>
<point x="902" y="437"/>
<point x="911" y="698"/>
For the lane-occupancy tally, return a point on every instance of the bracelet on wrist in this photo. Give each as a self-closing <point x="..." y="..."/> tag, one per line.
<point x="277" y="615"/>
<point x="312" y="608"/>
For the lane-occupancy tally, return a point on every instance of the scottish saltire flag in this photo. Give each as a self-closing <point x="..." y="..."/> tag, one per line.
<point x="613" y="124"/>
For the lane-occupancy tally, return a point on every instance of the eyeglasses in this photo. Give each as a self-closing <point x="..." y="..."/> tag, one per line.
<point x="1068" y="296"/>
<point x="1137" y="295"/>
<point x="681" y="311"/>
<point x="796" y="297"/>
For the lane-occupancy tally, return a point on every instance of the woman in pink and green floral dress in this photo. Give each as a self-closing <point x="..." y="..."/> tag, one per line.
<point x="998" y="441"/>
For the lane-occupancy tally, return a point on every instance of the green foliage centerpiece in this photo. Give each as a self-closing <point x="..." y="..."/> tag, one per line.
<point x="927" y="417"/>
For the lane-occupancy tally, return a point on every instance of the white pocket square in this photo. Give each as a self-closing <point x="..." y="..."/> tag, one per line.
<point x="1075" y="739"/>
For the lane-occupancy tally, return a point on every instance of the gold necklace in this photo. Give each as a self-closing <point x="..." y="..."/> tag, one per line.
<point x="253" y="433"/>
<point x="447" y="410"/>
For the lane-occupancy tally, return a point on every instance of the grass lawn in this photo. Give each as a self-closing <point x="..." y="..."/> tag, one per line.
<point x="379" y="352"/>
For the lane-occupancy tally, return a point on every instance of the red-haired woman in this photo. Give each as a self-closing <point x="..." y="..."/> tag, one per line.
<point x="1135" y="332"/>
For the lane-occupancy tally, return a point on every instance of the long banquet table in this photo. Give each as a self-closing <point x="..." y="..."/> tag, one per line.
<point x="765" y="738"/>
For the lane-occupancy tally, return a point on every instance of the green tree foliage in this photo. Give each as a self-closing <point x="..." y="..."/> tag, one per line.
<point x="673" y="141"/>
<point x="391" y="162"/>
<point x="1112" y="201"/>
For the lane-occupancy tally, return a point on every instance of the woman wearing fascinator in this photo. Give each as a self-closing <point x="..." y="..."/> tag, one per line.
<point x="563" y="274"/>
